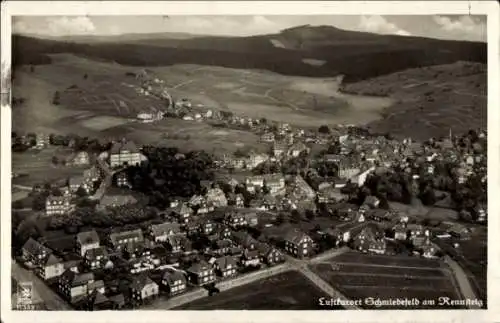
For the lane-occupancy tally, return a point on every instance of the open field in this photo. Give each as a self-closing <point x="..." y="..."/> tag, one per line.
<point x="446" y="96"/>
<point x="360" y="276"/>
<point x="37" y="165"/>
<point x="288" y="291"/>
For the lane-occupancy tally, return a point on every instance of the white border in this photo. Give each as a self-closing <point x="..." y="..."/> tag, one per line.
<point x="41" y="8"/>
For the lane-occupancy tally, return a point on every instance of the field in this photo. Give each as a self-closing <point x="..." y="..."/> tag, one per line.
<point x="447" y="96"/>
<point x="37" y="165"/>
<point x="360" y="276"/>
<point x="287" y="291"/>
<point x="98" y="99"/>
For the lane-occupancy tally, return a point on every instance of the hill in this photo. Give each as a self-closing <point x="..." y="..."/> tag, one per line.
<point x="431" y="100"/>
<point x="356" y="55"/>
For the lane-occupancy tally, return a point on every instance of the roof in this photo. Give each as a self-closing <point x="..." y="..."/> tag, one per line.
<point x="141" y="281"/>
<point x="52" y="260"/>
<point x="172" y="276"/>
<point x="224" y="262"/>
<point x="224" y="243"/>
<point x="199" y="266"/>
<point x="53" y="198"/>
<point x="87" y="237"/>
<point x="295" y="235"/>
<point x="77" y="279"/>
<point x="165" y="228"/>
<point x="36" y="248"/>
<point x="243" y="238"/>
<point x="100" y="298"/>
<point x="96" y="252"/>
<point x="114" y="237"/>
<point x="117" y="200"/>
<point x="124" y="146"/>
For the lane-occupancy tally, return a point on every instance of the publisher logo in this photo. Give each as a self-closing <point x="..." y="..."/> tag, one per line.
<point x="25" y="296"/>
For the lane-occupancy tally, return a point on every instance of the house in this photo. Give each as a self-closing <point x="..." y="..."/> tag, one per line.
<point x="42" y="140"/>
<point x="122" y="180"/>
<point x="267" y="137"/>
<point x="225" y="266"/>
<point x="255" y="160"/>
<point x="174" y="281"/>
<point x="279" y="149"/>
<point x="298" y="243"/>
<point x="460" y="231"/>
<point x="76" y="286"/>
<point x="92" y="174"/>
<point x="251" y="218"/>
<point x="347" y="169"/>
<point x="182" y="212"/>
<point x="118" y="300"/>
<point x="400" y="231"/>
<point x="255" y="181"/>
<point x="161" y="232"/>
<point x="250" y="258"/>
<point x="57" y="205"/>
<point x="175" y="243"/>
<point x="81" y="159"/>
<point x="206" y="227"/>
<point x="77" y="182"/>
<point x="296" y="149"/>
<point x="372" y="202"/>
<point x="86" y="240"/>
<point x="98" y="301"/>
<point x="370" y="239"/>
<point x="196" y="200"/>
<point x="34" y="252"/>
<point x="46" y="264"/>
<point x="201" y="273"/>
<point x="274" y="182"/>
<point x="481" y="213"/>
<point x="124" y="153"/>
<point x="143" y="288"/>
<point x="222" y="246"/>
<point x="236" y="200"/>
<point x="244" y="240"/>
<point x="270" y="255"/>
<point x="216" y="197"/>
<point x="303" y="188"/>
<point x="235" y="219"/>
<point x="96" y="258"/>
<point x="120" y="239"/>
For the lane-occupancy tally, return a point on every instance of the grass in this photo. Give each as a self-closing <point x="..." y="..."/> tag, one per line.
<point x="287" y="291"/>
<point x="424" y="281"/>
<point x="37" y="165"/>
<point x="444" y="96"/>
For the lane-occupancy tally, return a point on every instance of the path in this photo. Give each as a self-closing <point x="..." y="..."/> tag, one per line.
<point x="463" y="282"/>
<point x="41" y="290"/>
<point x="302" y="267"/>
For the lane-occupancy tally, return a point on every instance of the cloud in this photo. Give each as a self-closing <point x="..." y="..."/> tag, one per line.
<point x="465" y="25"/>
<point x="380" y="25"/>
<point x="70" y="26"/>
<point x="54" y="26"/>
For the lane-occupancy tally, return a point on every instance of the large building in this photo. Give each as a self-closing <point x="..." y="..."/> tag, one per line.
<point x="124" y="154"/>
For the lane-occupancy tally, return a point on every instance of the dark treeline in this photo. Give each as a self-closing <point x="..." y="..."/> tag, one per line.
<point x="357" y="59"/>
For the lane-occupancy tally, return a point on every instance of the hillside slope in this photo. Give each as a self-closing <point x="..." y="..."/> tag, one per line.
<point x="356" y="55"/>
<point x="430" y="100"/>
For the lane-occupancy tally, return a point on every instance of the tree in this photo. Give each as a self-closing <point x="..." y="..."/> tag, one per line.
<point x="56" y="99"/>
<point x="32" y="69"/>
<point x="55" y="160"/>
<point x="38" y="203"/>
<point x="296" y="216"/>
<point x="310" y="215"/>
<point x="324" y="129"/>
<point x="85" y="76"/>
<point x="81" y="192"/>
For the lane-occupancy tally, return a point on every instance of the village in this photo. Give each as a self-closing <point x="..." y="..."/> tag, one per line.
<point x="129" y="231"/>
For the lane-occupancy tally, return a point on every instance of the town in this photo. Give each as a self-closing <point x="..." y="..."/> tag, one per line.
<point x="154" y="227"/>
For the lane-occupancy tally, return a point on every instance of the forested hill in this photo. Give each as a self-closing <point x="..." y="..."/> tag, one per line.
<point x="357" y="55"/>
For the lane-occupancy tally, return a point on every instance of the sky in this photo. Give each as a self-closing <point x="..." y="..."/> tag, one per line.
<point x="455" y="27"/>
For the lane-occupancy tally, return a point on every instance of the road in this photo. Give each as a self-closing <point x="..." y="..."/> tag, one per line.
<point x="462" y="280"/>
<point x="107" y="181"/>
<point x="41" y="290"/>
